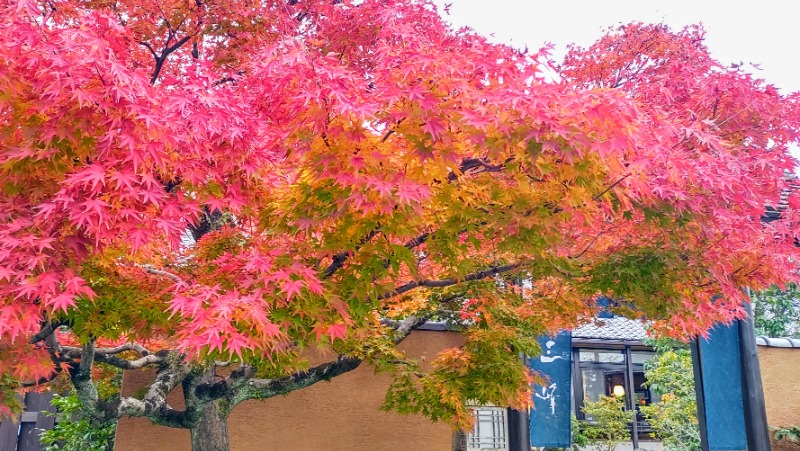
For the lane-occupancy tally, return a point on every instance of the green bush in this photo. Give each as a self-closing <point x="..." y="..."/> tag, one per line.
<point x="674" y="418"/>
<point x="776" y="311"/>
<point x="789" y="433"/>
<point x="609" y="424"/>
<point x="74" y="432"/>
<point x="579" y="439"/>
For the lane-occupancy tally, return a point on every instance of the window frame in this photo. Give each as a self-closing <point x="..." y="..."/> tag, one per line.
<point x="500" y="412"/>
<point x="628" y="368"/>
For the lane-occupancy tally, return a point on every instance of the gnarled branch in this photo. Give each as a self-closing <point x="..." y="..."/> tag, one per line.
<point x="488" y="272"/>
<point x="267" y="388"/>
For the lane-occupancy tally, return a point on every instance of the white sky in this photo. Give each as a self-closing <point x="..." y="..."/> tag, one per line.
<point x="765" y="32"/>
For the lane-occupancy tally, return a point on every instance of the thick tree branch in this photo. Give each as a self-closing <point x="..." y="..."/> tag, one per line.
<point x="116" y="350"/>
<point x="81" y="376"/>
<point x="161" y="59"/>
<point x="209" y="222"/>
<point x="125" y="364"/>
<point x="226" y="387"/>
<point x="150" y="48"/>
<point x="47" y="330"/>
<point x="418" y="241"/>
<point x="474" y="166"/>
<point x="408" y="324"/>
<point x="262" y="389"/>
<point x="267" y="388"/>
<point x="110" y="358"/>
<point x="488" y="272"/>
<point x="341" y="257"/>
<point x="48" y="335"/>
<point x="159" y="272"/>
<point x="154" y="405"/>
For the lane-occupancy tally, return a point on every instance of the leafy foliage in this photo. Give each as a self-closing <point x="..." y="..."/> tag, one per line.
<point x="789" y="433"/>
<point x="609" y="421"/>
<point x="244" y="181"/>
<point x="76" y="431"/>
<point x="579" y="438"/>
<point x="776" y="311"/>
<point x="674" y="417"/>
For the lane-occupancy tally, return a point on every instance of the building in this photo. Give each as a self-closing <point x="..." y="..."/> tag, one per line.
<point x="345" y="415"/>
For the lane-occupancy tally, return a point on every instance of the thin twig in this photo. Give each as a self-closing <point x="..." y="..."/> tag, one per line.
<point x="597" y="197"/>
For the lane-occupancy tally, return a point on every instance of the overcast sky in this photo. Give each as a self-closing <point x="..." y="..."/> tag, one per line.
<point x="765" y="32"/>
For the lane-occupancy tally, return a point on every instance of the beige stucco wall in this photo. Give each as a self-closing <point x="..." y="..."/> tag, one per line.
<point x="341" y="415"/>
<point x="780" y="376"/>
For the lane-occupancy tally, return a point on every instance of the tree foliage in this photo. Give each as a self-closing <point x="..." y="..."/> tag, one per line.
<point x="776" y="311"/>
<point x="608" y="424"/>
<point x="670" y="374"/>
<point x="189" y="182"/>
<point x="76" y="431"/>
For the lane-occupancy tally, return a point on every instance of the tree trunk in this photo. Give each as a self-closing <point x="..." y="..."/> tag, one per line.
<point x="211" y="434"/>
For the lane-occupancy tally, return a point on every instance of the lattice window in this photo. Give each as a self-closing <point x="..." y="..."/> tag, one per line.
<point x="490" y="431"/>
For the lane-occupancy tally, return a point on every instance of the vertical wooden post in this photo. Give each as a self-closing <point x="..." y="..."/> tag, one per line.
<point x="699" y="393"/>
<point x="9" y="431"/>
<point x="519" y="438"/>
<point x="577" y="384"/>
<point x="755" y="412"/>
<point x="631" y="396"/>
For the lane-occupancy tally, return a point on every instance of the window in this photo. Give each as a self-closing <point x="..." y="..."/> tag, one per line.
<point x="490" y="431"/>
<point x="602" y="356"/>
<point x="611" y="372"/>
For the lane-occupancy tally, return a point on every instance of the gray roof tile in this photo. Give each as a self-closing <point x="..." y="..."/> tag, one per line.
<point x="617" y="328"/>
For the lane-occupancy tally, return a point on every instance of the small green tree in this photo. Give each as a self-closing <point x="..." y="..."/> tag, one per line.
<point x="674" y="417"/>
<point x="609" y="424"/>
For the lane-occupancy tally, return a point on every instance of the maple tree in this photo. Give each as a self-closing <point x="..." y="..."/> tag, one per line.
<point x="191" y="182"/>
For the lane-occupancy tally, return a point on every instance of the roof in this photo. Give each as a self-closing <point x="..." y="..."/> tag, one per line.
<point x="778" y="342"/>
<point x="773" y="212"/>
<point x="620" y="329"/>
<point x="616" y="328"/>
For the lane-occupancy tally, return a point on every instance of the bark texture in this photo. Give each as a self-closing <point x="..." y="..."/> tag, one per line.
<point x="211" y="433"/>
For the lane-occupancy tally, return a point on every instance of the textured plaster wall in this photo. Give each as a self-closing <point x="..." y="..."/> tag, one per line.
<point x="341" y="415"/>
<point x="344" y="414"/>
<point x="780" y="373"/>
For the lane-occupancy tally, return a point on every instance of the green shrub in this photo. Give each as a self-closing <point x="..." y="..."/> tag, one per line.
<point x="789" y="434"/>
<point x="74" y="432"/>
<point x="674" y="418"/>
<point x="609" y="424"/>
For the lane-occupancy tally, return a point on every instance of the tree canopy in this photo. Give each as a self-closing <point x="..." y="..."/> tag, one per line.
<point x="183" y="182"/>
